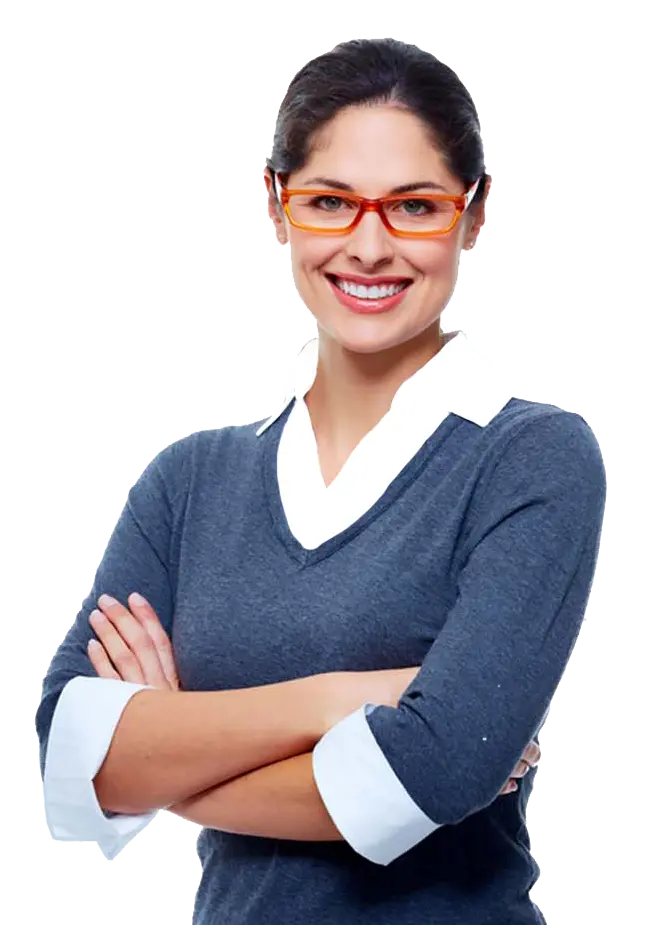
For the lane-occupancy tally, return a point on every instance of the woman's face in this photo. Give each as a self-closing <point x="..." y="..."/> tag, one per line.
<point x="375" y="149"/>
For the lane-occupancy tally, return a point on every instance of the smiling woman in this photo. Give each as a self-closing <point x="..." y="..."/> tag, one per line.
<point x="381" y="180"/>
<point x="402" y="507"/>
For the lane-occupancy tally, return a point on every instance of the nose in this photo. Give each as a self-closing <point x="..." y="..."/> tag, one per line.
<point x="370" y="242"/>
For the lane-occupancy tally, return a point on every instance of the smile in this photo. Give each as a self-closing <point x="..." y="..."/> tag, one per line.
<point x="364" y="300"/>
<point x="368" y="292"/>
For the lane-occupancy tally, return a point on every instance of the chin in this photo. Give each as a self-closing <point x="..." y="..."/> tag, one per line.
<point x="365" y="341"/>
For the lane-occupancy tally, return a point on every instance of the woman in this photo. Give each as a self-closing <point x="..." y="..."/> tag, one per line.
<point x="401" y="508"/>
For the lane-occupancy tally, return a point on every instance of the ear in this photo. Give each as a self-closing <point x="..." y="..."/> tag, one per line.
<point x="276" y="213"/>
<point x="478" y="216"/>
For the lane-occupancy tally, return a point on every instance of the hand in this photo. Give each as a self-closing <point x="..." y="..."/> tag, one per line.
<point x="133" y="645"/>
<point x="530" y="757"/>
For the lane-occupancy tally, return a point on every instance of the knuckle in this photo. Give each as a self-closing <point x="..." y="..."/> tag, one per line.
<point x="128" y="661"/>
<point x="156" y="630"/>
<point x="104" y="631"/>
<point x="165" y="646"/>
<point x="112" y="623"/>
<point x="122" y="618"/>
<point x="97" y="652"/>
<point x="141" y="640"/>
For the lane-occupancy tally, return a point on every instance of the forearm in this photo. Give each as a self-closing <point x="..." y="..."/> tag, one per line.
<point x="278" y="801"/>
<point x="170" y="745"/>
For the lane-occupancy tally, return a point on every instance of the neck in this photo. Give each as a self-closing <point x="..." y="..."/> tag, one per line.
<point x="352" y="391"/>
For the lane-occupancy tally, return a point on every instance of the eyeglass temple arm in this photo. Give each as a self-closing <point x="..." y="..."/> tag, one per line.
<point x="470" y="195"/>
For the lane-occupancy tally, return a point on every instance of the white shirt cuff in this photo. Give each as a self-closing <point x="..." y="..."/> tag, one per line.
<point x="83" y="724"/>
<point x="367" y="802"/>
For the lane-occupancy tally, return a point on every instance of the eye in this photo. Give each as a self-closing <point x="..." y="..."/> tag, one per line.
<point x="323" y="203"/>
<point x="417" y="206"/>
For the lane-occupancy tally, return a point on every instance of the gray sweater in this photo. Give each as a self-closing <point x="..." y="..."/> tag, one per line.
<point x="477" y="561"/>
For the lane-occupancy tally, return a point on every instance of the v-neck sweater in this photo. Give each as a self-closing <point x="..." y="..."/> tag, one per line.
<point x="476" y="563"/>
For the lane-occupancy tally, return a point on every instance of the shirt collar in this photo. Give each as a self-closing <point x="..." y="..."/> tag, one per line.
<point x="458" y="375"/>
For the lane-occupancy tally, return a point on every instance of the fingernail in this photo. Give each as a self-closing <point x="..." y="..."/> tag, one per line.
<point x="138" y="599"/>
<point x="106" y="601"/>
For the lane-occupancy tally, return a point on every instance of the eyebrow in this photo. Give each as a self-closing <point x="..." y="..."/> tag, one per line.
<point x="406" y="188"/>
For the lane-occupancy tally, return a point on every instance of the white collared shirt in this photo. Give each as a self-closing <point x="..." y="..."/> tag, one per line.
<point x="454" y="380"/>
<point x="350" y="770"/>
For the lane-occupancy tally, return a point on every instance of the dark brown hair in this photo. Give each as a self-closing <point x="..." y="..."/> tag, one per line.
<point x="365" y="72"/>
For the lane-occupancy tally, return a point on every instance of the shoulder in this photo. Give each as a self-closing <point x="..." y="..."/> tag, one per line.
<point x="542" y="448"/>
<point x="179" y="462"/>
<point x="529" y="427"/>
<point x="205" y="441"/>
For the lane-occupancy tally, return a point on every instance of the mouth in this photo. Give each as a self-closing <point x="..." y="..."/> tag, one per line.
<point x="375" y="298"/>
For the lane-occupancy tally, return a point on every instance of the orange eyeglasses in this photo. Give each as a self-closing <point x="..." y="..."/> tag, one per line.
<point x="432" y="213"/>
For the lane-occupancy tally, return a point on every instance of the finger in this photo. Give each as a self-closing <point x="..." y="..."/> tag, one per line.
<point x="123" y="659"/>
<point x="100" y="661"/>
<point x="138" y="644"/>
<point x="521" y="768"/>
<point x="509" y="787"/>
<point x="532" y="753"/>
<point x="153" y="626"/>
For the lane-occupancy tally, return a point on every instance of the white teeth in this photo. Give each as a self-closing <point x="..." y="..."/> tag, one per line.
<point x="373" y="292"/>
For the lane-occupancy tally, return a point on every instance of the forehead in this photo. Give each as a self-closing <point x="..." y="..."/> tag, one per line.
<point x="375" y="146"/>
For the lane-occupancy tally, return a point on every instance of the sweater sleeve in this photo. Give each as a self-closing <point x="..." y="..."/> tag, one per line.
<point x="137" y="558"/>
<point x="524" y="575"/>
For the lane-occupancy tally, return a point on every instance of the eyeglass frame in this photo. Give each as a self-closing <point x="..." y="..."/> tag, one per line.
<point x="462" y="202"/>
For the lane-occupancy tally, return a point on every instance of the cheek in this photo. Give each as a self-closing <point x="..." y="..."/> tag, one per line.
<point x="310" y="256"/>
<point x="435" y="260"/>
<point x="313" y="251"/>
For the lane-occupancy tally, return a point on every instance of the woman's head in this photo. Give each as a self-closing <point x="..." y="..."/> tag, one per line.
<point x="375" y="115"/>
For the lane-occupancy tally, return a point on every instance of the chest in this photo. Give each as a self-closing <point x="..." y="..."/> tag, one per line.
<point x="247" y="614"/>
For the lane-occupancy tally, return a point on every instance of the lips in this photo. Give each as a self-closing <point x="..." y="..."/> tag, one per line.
<point x="365" y="306"/>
